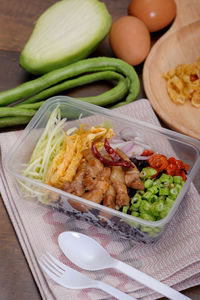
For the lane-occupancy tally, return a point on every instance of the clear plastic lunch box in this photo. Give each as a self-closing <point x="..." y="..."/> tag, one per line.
<point x="77" y="112"/>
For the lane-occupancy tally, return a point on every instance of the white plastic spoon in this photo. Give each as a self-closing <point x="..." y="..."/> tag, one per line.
<point x="86" y="253"/>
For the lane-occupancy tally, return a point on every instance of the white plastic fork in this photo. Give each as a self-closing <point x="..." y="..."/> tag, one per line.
<point x="73" y="279"/>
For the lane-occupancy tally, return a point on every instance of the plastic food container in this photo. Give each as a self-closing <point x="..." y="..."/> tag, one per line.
<point x="77" y="112"/>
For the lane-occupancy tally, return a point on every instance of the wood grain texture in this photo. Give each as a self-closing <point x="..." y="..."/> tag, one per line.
<point x="16" y="281"/>
<point x="181" y="44"/>
<point x="17" y="19"/>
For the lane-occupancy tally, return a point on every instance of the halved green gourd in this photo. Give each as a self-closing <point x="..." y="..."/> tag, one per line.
<point x="66" y="32"/>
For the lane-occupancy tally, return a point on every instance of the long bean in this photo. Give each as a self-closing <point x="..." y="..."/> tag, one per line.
<point x="35" y="86"/>
<point x="16" y="111"/>
<point x="111" y="96"/>
<point x="80" y="81"/>
<point x="30" y="105"/>
<point x="118" y="104"/>
<point x="13" y="121"/>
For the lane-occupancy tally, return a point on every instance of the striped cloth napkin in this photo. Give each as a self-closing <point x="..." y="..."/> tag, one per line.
<point x="173" y="259"/>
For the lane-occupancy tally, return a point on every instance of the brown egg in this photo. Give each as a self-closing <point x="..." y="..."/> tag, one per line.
<point x="156" y="14"/>
<point x="130" y="40"/>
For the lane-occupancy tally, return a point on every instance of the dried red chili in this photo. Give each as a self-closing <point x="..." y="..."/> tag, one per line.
<point x="108" y="162"/>
<point x="113" y="154"/>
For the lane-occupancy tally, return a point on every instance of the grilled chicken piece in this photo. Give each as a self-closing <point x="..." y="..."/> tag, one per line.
<point x="77" y="184"/>
<point x="97" y="183"/>
<point x="109" y="199"/>
<point x="132" y="175"/>
<point x="132" y="179"/>
<point x="93" y="168"/>
<point x="117" y="177"/>
<point x="122" y="197"/>
<point x="101" y="187"/>
<point x="94" y="165"/>
<point x="67" y="187"/>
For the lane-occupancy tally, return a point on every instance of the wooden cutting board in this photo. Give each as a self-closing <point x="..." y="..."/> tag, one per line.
<point x="181" y="44"/>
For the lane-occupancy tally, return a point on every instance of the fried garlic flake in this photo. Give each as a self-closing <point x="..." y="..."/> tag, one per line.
<point x="183" y="83"/>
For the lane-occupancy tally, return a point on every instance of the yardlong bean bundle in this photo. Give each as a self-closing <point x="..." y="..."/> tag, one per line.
<point x="17" y="111"/>
<point x="13" y="121"/>
<point x="34" y="92"/>
<point x="117" y="94"/>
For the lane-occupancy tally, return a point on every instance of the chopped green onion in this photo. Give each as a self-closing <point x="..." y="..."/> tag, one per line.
<point x="169" y="202"/>
<point x="147" y="217"/>
<point x="164" y="213"/>
<point x="163" y="192"/>
<point x="125" y="209"/>
<point x="136" y="204"/>
<point x="154" y="198"/>
<point x="147" y="195"/>
<point x="166" y="178"/>
<point x="161" y="198"/>
<point x="173" y="193"/>
<point x="135" y="199"/>
<point x="153" y="190"/>
<point x="178" y="179"/>
<point x="148" y="183"/>
<point x="145" y="206"/>
<point x="157" y="208"/>
<point x="147" y="172"/>
<point x="178" y="187"/>
<point x="135" y="214"/>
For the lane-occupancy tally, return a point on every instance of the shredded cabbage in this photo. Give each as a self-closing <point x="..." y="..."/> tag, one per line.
<point x="47" y="147"/>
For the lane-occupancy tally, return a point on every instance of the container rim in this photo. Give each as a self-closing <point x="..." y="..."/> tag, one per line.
<point x="73" y="102"/>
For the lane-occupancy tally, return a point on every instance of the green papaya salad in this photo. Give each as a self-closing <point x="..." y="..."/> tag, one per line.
<point x="112" y="169"/>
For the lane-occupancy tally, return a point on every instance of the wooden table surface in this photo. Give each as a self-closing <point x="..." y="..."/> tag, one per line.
<point x="16" y="22"/>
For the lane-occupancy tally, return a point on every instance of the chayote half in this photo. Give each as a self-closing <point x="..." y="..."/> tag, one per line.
<point x="66" y="32"/>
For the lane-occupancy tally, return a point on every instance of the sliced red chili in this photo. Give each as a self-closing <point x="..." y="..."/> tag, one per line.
<point x="108" y="162"/>
<point x="180" y="164"/>
<point x="181" y="173"/>
<point x="177" y="168"/>
<point x="172" y="160"/>
<point x="147" y="152"/>
<point x="158" y="161"/>
<point x="171" y="170"/>
<point x="186" y="167"/>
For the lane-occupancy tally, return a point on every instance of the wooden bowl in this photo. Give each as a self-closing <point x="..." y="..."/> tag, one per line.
<point x="181" y="44"/>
